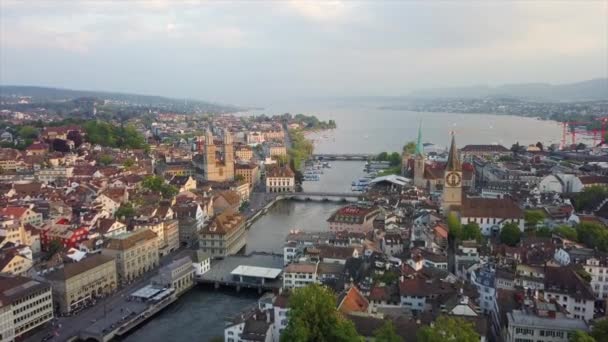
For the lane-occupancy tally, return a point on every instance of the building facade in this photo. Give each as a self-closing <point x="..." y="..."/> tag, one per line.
<point x="225" y="235"/>
<point x="77" y="284"/>
<point x="136" y="253"/>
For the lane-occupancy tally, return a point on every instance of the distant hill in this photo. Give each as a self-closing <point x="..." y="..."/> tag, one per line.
<point x="47" y="94"/>
<point x="591" y="90"/>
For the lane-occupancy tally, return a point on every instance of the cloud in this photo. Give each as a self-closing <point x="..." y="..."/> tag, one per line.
<point x="320" y="10"/>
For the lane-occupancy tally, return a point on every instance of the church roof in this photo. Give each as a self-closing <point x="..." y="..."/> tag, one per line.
<point x="453" y="163"/>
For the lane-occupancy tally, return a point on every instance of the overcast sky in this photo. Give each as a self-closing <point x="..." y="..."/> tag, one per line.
<point x="255" y="52"/>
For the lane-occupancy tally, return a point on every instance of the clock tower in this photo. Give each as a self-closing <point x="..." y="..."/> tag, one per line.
<point x="452" y="188"/>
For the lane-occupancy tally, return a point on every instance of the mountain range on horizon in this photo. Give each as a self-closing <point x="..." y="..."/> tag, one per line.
<point x="589" y="90"/>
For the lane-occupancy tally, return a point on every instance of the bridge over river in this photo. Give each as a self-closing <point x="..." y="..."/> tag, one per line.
<point x="320" y="196"/>
<point x="344" y="156"/>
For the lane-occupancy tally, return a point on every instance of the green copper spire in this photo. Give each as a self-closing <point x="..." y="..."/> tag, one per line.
<point x="419" y="147"/>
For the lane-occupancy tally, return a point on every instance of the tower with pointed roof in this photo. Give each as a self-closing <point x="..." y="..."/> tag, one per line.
<point x="452" y="187"/>
<point x="419" y="161"/>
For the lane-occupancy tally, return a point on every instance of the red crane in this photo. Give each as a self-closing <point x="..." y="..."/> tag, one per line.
<point x="604" y="122"/>
<point x="572" y="125"/>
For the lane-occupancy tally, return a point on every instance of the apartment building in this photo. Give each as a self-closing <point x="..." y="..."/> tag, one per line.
<point x="136" y="253"/>
<point x="300" y="274"/>
<point x="24" y="305"/>
<point x="179" y="275"/>
<point x="225" y="235"/>
<point x="77" y="284"/>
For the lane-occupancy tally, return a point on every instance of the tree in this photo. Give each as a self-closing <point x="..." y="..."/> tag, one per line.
<point x="593" y="235"/>
<point x="125" y="211"/>
<point x="533" y="217"/>
<point x="590" y="198"/>
<point x="313" y="317"/>
<point x="543" y="232"/>
<point x="454" y="226"/>
<point x="395" y="159"/>
<point x="60" y="145"/>
<point x="446" y="328"/>
<point x="28" y="132"/>
<point x="471" y="231"/>
<point x="540" y="146"/>
<point x="581" y="336"/>
<point x="600" y="331"/>
<point x="410" y="147"/>
<point x="76" y="137"/>
<point x="128" y="163"/>
<point x="580" y="146"/>
<point x="382" y="156"/>
<point x="239" y="178"/>
<point x="387" y="333"/>
<point x="510" y="234"/>
<point x="517" y="148"/>
<point x="54" y="247"/>
<point x="566" y="232"/>
<point x="105" y="160"/>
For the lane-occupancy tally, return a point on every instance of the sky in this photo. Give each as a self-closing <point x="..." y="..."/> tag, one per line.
<point x="256" y="52"/>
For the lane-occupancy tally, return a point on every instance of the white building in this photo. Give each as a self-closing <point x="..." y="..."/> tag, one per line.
<point x="560" y="183"/>
<point x="201" y="262"/>
<point x="24" y="305"/>
<point x="544" y="325"/>
<point x="491" y="214"/>
<point x="569" y="290"/>
<point x="299" y="275"/>
<point x="483" y="279"/>
<point x="598" y="269"/>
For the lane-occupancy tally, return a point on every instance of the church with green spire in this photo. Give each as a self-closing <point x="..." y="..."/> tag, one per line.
<point x="419" y="161"/>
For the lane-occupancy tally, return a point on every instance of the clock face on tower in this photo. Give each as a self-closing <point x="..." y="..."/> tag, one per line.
<point x="453" y="179"/>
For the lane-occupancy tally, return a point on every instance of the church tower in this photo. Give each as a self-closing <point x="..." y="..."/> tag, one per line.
<point x="452" y="189"/>
<point x="419" y="162"/>
<point x="228" y="155"/>
<point x="209" y="157"/>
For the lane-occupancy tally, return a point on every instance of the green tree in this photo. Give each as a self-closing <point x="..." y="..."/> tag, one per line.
<point x="313" y="317"/>
<point x="510" y="234"/>
<point x="239" y="178"/>
<point x="125" y="211"/>
<point x="128" y="163"/>
<point x="410" y="147"/>
<point x="28" y="132"/>
<point x="382" y="156"/>
<point x="593" y="235"/>
<point x="446" y="328"/>
<point x="471" y="231"/>
<point x="517" y="148"/>
<point x="454" y="226"/>
<point x="54" y="247"/>
<point x="590" y="197"/>
<point x="581" y="336"/>
<point x="533" y="217"/>
<point x="566" y="232"/>
<point x="395" y="159"/>
<point x="387" y="333"/>
<point x="543" y="232"/>
<point x="105" y="160"/>
<point x="600" y="330"/>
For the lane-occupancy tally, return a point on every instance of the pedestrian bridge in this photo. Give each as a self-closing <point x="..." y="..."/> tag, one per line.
<point x="344" y="156"/>
<point x="321" y="196"/>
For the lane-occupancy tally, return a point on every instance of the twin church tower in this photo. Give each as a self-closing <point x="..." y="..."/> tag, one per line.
<point x="424" y="174"/>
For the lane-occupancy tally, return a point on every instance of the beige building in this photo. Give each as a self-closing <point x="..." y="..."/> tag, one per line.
<point x="249" y="172"/>
<point x="24" y="305"/>
<point x="136" y="253"/>
<point x="167" y="233"/>
<point x="178" y="275"/>
<point x="15" y="263"/>
<point x="77" y="284"/>
<point x="277" y="150"/>
<point x="280" y="179"/>
<point x="243" y="189"/>
<point x="244" y="153"/>
<point x="225" y="235"/>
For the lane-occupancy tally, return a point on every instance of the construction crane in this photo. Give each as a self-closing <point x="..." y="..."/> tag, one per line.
<point x="572" y="125"/>
<point x="604" y="122"/>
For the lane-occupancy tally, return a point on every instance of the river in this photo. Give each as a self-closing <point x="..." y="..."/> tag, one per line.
<point x="199" y="315"/>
